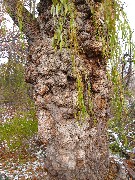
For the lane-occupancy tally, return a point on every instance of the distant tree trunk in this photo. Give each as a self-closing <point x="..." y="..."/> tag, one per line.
<point x="73" y="152"/>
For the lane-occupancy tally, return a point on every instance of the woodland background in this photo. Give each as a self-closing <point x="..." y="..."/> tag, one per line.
<point x="18" y="122"/>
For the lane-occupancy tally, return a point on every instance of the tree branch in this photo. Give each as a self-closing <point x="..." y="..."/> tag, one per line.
<point x="22" y="18"/>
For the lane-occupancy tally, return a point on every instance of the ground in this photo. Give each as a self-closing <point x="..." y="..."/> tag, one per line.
<point x="29" y="163"/>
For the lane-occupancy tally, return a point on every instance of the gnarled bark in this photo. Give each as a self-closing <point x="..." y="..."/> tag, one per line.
<point x="72" y="151"/>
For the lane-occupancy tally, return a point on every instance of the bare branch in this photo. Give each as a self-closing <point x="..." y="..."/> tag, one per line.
<point x="22" y="18"/>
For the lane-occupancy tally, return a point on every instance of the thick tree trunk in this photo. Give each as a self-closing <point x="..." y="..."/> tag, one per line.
<point x="73" y="152"/>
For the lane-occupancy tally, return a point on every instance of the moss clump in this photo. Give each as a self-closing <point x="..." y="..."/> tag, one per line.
<point x="15" y="132"/>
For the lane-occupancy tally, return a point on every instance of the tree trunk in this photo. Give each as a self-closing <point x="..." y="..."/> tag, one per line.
<point x="73" y="151"/>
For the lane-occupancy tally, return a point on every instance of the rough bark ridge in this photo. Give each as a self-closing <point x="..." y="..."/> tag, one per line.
<point x="73" y="151"/>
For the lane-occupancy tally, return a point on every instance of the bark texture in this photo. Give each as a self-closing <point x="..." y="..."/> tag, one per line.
<point x="73" y="152"/>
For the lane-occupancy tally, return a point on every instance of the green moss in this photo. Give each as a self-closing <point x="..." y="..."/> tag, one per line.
<point x="113" y="30"/>
<point x="19" y="129"/>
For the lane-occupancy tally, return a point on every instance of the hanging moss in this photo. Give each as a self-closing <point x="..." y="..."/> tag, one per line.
<point x="116" y="36"/>
<point x="112" y="29"/>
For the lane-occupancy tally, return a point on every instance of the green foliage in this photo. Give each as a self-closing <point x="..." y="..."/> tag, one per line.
<point x="119" y="40"/>
<point x="15" y="132"/>
<point x="61" y="11"/>
<point x="64" y="14"/>
<point x="14" y="93"/>
<point x="82" y="111"/>
<point x="113" y="30"/>
<point x="19" y="14"/>
<point x="14" y="89"/>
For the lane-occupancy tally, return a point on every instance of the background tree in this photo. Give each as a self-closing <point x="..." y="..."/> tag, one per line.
<point x="17" y="112"/>
<point x="122" y="122"/>
<point x="71" y="87"/>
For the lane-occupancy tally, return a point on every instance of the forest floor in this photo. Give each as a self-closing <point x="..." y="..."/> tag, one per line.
<point x="29" y="163"/>
<point x="24" y="163"/>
